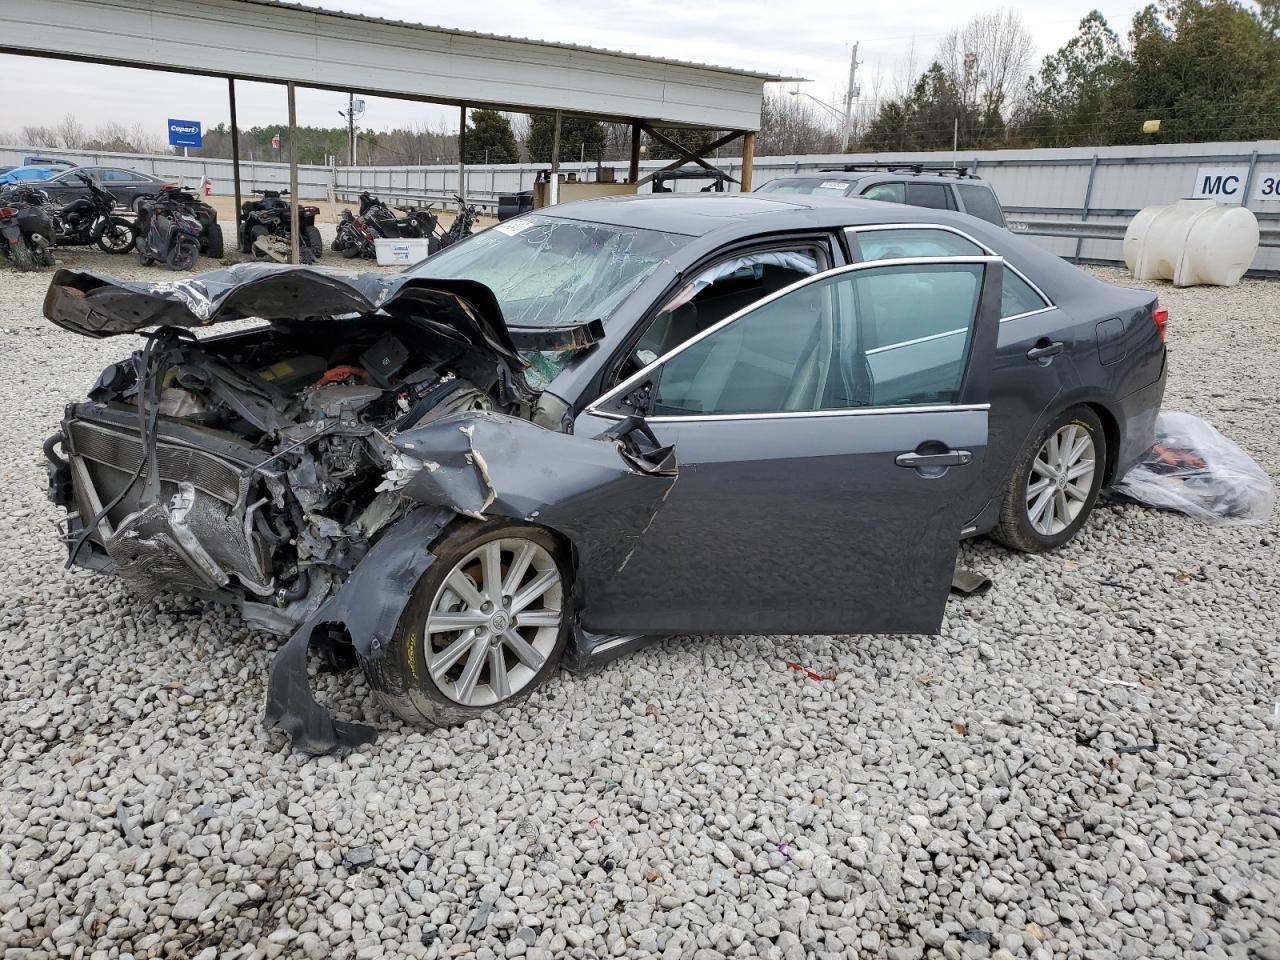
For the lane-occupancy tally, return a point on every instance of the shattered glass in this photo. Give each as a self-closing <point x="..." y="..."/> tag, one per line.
<point x="546" y="271"/>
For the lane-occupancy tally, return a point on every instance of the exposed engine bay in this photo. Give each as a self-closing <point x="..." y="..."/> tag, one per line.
<point x="258" y="466"/>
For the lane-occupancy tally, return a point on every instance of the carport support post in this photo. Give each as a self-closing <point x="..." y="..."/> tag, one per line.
<point x="235" y="152"/>
<point x="462" y="157"/>
<point x="553" y="188"/>
<point x="633" y="172"/>
<point x="295" y="252"/>
<point x="748" y="157"/>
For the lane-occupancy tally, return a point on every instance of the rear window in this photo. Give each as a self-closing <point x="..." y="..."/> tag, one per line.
<point x="981" y="202"/>
<point x="819" y="186"/>
<point x="933" y="195"/>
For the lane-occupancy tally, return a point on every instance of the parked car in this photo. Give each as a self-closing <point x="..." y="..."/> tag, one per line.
<point x="937" y="187"/>
<point x="622" y="418"/>
<point x="28" y="174"/>
<point x="127" y="186"/>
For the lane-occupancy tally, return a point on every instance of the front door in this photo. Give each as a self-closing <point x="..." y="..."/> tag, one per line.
<point x="823" y="482"/>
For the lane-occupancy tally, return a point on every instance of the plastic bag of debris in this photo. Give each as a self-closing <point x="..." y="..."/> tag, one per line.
<point x="1196" y="470"/>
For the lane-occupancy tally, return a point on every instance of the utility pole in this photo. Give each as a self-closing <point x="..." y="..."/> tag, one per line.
<point x="355" y="110"/>
<point x="850" y="95"/>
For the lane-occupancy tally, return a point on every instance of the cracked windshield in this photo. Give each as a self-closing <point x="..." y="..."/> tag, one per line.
<point x="548" y="272"/>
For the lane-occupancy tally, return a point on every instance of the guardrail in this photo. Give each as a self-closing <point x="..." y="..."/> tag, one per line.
<point x="1268" y="236"/>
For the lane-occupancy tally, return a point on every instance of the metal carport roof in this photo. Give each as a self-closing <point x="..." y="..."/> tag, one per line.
<point x="273" y="41"/>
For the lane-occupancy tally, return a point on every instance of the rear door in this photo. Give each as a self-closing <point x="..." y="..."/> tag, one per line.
<point x="1032" y="363"/>
<point x="822" y="481"/>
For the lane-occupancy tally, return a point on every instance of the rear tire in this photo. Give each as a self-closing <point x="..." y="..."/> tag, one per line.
<point x="214" y="246"/>
<point x="21" y="256"/>
<point x="312" y="237"/>
<point x="118" y="236"/>
<point x="1040" y="512"/>
<point x="446" y="676"/>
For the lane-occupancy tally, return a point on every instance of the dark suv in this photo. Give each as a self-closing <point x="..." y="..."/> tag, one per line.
<point x="942" y="188"/>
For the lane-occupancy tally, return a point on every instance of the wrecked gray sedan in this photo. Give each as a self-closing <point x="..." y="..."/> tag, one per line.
<point x="678" y="425"/>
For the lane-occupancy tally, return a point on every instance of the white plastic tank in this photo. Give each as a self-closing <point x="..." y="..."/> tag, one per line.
<point x="1191" y="242"/>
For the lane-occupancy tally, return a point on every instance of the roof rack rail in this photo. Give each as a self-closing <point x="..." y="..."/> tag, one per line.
<point x="901" y="167"/>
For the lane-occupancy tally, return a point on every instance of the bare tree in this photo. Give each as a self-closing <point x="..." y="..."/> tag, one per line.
<point x="794" y="125"/>
<point x="987" y="62"/>
<point x="39" y="136"/>
<point x="70" y="133"/>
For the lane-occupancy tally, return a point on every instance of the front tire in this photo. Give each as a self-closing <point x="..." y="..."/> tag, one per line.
<point x="485" y="625"/>
<point x="183" y="255"/>
<point x="1055" y="483"/>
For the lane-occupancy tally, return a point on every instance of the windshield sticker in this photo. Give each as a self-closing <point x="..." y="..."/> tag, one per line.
<point x="833" y="185"/>
<point x="512" y="227"/>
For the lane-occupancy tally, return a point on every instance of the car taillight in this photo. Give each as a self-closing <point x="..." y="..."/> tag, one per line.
<point x="1161" y="316"/>
<point x="6" y="212"/>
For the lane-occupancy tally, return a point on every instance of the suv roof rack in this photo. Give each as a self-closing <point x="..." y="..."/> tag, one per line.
<point x="900" y="167"/>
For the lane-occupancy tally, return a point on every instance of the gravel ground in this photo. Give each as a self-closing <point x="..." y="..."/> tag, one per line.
<point x="1083" y="764"/>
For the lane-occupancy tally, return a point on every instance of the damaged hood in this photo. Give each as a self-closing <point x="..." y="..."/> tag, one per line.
<point x="95" y="305"/>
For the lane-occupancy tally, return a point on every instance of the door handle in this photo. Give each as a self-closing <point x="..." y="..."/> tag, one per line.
<point x="952" y="458"/>
<point x="1044" y="349"/>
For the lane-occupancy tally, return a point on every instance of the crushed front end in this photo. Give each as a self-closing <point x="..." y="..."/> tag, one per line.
<point x="257" y="467"/>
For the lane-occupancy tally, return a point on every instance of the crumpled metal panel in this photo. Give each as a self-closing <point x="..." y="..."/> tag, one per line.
<point x="481" y="465"/>
<point x="96" y="305"/>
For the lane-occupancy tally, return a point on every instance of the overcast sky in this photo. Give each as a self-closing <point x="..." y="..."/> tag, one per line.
<point x="807" y="38"/>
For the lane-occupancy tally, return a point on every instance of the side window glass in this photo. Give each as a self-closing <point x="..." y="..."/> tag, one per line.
<point x="933" y="195"/>
<point x="893" y="192"/>
<point x="896" y="244"/>
<point x="896" y="335"/>
<point x="723" y="289"/>
<point x="1018" y="297"/>
<point x="980" y="202"/>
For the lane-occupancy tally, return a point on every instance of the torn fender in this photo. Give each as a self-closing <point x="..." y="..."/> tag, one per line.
<point x="368" y="605"/>
<point x="594" y="491"/>
<point x="597" y="492"/>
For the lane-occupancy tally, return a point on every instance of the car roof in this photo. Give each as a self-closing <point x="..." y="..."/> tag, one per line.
<point x="700" y="214"/>
<point x="721" y="218"/>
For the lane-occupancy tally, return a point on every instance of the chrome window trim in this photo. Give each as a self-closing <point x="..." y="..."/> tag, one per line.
<point x="593" y="408"/>
<point x="793" y="414"/>
<point x="1049" y="304"/>
<point x="908" y="343"/>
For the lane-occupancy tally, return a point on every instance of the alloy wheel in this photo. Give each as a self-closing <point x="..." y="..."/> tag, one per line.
<point x="494" y="622"/>
<point x="1061" y="479"/>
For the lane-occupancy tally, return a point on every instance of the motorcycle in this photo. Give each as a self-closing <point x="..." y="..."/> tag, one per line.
<point x="210" y="231"/>
<point x="88" y="220"/>
<point x="266" y="223"/>
<point x="167" y="231"/>
<point x="462" y="227"/>
<point x="26" y="229"/>
<point x="356" y="234"/>
<point x="355" y="237"/>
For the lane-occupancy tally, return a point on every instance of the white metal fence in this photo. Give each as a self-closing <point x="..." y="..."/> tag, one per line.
<point x="1100" y="184"/>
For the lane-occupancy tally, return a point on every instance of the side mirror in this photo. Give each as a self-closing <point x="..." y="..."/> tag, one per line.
<point x="640" y="448"/>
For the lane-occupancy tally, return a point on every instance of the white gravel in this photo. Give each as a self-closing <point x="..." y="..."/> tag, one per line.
<point x="1083" y="764"/>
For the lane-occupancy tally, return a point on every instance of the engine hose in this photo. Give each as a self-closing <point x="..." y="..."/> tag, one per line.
<point x="50" y="452"/>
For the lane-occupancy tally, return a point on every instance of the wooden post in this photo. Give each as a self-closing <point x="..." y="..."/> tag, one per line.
<point x="554" y="185"/>
<point x="295" y="251"/>
<point x="462" y="156"/>
<point x="633" y="173"/>
<point x="235" y="155"/>
<point x="748" y="156"/>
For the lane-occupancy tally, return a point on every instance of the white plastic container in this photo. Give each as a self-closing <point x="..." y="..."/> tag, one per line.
<point x="403" y="252"/>
<point x="1191" y="242"/>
